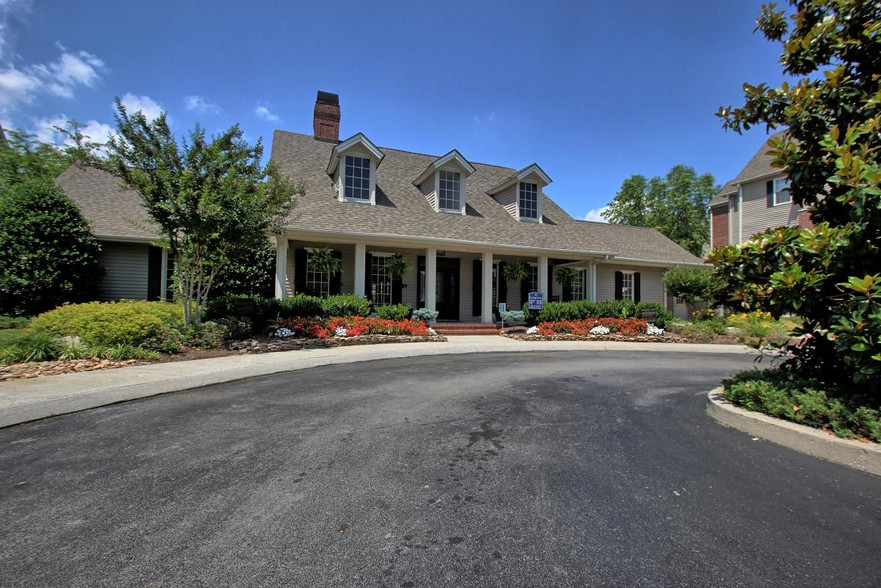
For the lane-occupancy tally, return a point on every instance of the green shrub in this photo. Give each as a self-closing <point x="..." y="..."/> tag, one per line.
<point x="664" y="316"/>
<point x="305" y="306"/>
<point x="152" y="324"/>
<point x="206" y="335"/>
<point x="425" y="315"/>
<point x="394" y="312"/>
<point x="778" y="394"/>
<point x="513" y="316"/>
<point x="48" y="255"/>
<point x="13" y="322"/>
<point x="236" y="328"/>
<point x="701" y="330"/>
<point x="35" y="346"/>
<point x="346" y="305"/>
<point x="122" y="352"/>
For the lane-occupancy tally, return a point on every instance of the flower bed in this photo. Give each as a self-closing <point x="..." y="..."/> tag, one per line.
<point x="596" y="327"/>
<point x="352" y="326"/>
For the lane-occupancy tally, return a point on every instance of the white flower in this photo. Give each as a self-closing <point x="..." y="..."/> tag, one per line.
<point x="653" y="330"/>
<point x="532" y="330"/>
<point x="284" y="333"/>
<point x="431" y="331"/>
<point x="341" y="332"/>
<point x="600" y="330"/>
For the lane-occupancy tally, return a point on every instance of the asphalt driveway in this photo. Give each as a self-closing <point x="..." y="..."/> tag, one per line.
<point x="540" y="469"/>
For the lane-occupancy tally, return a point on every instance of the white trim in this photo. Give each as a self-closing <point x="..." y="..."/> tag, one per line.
<point x="431" y="278"/>
<point x="357" y="139"/>
<point x="360" y="268"/>
<point x="453" y="156"/>
<point x="740" y="213"/>
<point x="538" y="199"/>
<point x="281" y="266"/>
<point x="593" y="281"/>
<point x="532" y="169"/>
<point x="163" y="284"/>
<point x="775" y="192"/>
<point x="632" y="284"/>
<point x="437" y="195"/>
<point x="341" y="181"/>
<point x="543" y="277"/>
<point x="486" y="292"/>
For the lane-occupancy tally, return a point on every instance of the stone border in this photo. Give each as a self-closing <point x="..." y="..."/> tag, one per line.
<point x="847" y="452"/>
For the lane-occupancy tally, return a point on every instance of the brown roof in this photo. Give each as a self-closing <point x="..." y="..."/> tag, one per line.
<point x="111" y="209"/>
<point x="758" y="166"/>
<point x="402" y="211"/>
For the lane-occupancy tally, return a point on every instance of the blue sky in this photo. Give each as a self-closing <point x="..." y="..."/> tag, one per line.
<point x="592" y="92"/>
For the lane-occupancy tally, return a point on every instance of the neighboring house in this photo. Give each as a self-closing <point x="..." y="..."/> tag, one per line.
<point x="134" y="268"/>
<point x="756" y="200"/>
<point x="457" y="221"/>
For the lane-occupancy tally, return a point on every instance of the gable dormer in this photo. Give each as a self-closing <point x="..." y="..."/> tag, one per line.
<point x="443" y="182"/>
<point x="353" y="166"/>
<point x="521" y="194"/>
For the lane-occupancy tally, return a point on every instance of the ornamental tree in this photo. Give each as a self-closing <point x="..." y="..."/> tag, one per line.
<point x="696" y="286"/>
<point x="829" y="275"/>
<point x="48" y="256"/>
<point x="212" y="199"/>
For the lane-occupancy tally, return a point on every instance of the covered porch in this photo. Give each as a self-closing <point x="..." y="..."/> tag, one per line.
<point x="462" y="283"/>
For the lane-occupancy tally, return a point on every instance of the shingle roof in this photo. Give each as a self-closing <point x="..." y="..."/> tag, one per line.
<point x="758" y="166"/>
<point x="111" y="209"/>
<point x="402" y="211"/>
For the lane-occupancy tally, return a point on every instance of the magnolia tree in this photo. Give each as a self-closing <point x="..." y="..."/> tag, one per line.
<point x="212" y="199"/>
<point x="829" y="275"/>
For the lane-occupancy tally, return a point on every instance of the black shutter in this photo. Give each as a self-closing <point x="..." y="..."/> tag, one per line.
<point x="476" y="287"/>
<point x="336" y="281"/>
<point x="368" y="283"/>
<point x="524" y="292"/>
<point x="503" y="284"/>
<point x="154" y="273"/>
<point x="769" y="192"/>
<point x="397" y="290"/>
<point x="550" y="282"/>
<point x="567" y="293"/>
<point x="420" y="270"/>
<point x="300" y="257"/>
<point x="636" y="287"/>
<point x="619" y="285"/>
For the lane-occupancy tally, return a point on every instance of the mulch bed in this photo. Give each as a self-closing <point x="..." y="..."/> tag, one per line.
<point x="251" y="346"/>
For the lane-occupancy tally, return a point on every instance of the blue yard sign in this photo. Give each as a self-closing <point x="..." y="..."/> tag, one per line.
<point x="536" y="301"/>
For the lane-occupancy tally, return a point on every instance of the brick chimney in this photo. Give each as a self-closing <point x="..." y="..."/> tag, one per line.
<point x="326" y="122"/>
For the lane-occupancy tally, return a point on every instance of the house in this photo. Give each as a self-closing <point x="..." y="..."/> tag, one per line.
<point x="457" y="221"/>
<point x="134" y="268"/>
<point x="756" y="200"/>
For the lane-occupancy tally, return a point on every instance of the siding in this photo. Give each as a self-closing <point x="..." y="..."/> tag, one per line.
<point x="508" y="199"/>
<point x="651" y="288"/>
<point x="125" y="266"/>
<point x="427" y="189"/>
<point x="758" y="216"/>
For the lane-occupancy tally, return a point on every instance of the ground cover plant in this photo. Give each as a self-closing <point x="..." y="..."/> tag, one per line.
<point x="805" y="401"/>
<point x="598" y="326"/>
<point x="348" y="327"/>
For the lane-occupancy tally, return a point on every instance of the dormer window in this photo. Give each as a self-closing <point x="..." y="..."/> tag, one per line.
<point x="521" y="193"/>
<point x="527" y="201"/>
<point x="443" y="182"/>
<point x="353" y="166"/>
<point x="449" y="192"/>
<point x="357" y="180"/>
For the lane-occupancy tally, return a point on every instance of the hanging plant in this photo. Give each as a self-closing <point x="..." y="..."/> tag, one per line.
<point x="566" y="275"/>
<point x="397" y="265"/>
<point x="515" y="272"/>
<point x="322" y="260"/>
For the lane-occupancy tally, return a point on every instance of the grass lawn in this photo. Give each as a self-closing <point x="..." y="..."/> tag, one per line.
<point x="9" y="336"/>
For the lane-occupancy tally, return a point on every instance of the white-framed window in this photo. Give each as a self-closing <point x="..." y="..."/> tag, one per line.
<point x="579" y="285"/>
<point x="380" y="280"/>
<point x="527" y="200"/>
<point x="317" y="282"/>
<point x="627" y="285"/>
<point x="781" y="192"/>
<point x="356" y="180"/>
<point x="449" y="191"/>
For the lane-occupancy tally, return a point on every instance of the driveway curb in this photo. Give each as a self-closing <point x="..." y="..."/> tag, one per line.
<point x="846" y="452"/>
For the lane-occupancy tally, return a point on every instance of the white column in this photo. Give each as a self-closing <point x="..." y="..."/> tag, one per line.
<point x="543" y="277"/>
<point x="486" y="290"/>
<point x="360" y="268"/>
<point x="431" y="278"/>
<point x="593" y="281"/>
<point x="281" y="266"/>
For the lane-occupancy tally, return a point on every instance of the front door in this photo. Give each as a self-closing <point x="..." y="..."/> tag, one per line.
<point x="446" y="288"/>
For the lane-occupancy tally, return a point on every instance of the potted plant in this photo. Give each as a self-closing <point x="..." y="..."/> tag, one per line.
<point x="322" y="260"/>
<point x="515" y="272"/>
<point x="397" y="266"/>
<point x="565" y="276"/>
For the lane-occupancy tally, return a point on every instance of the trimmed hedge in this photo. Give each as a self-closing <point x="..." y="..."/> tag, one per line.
<point x="152" y="325"/>
<point x="394" y="312"/>
<point x="585" y="309"/>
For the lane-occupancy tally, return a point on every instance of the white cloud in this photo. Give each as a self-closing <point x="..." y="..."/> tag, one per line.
<point x="262" y="111"/>
<point x="93" y="131"/>
<point x="201" y="105"/>
<point x="596" y="215"/>
<point x="10" y="10"/>
<point x="145" y="104"/>
<point x="481" y="120"/>
<point x="61" y="78"/>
